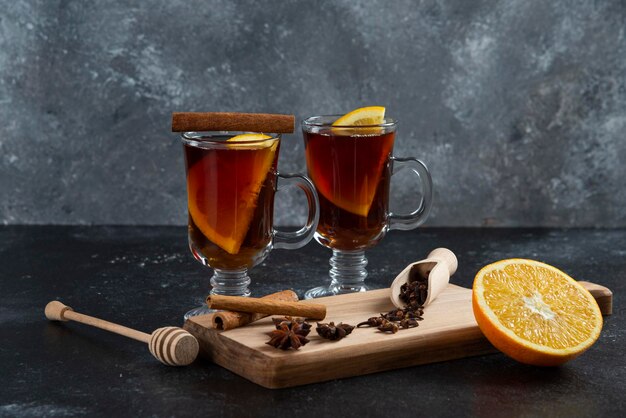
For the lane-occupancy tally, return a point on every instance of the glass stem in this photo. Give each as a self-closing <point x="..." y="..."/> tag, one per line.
<point x="348" y="271"/>
<point x="230" y="283"/>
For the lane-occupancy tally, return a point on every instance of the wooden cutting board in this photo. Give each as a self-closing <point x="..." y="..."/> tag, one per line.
<point x="447" y="332"/>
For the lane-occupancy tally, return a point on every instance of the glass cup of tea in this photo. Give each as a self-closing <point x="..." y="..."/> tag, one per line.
<point x="351" y="168"/>
<point x="232" y="178"/>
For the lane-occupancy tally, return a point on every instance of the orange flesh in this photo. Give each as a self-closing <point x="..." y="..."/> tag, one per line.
<point x="223" y="189"/>
<point x="539" y="306"/>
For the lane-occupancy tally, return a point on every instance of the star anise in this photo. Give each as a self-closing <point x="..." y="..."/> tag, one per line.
<point x="333" y="332"/>
<point x="289" y="333"/>
<point x="290" y="320"/>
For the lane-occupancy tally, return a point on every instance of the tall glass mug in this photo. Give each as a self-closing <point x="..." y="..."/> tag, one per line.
<point x="230" y="200"/>
<point x="351" y="167"/>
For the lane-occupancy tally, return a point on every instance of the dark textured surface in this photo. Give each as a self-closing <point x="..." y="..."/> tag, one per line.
<point x="145" y="277"/>
<point x="518" y="107"/>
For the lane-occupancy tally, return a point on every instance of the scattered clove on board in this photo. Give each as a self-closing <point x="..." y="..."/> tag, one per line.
<point x="291" y="332"/>
<point x="371" y="322"/>
<point x="333" y="332"/>
<point x="388" y="326"/>
<point x="414" y="295"/>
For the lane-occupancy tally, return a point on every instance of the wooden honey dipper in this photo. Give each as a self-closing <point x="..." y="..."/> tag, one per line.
<point x="170" y="345"/>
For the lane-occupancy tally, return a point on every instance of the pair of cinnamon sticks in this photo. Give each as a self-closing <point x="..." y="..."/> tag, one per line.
<point x="239" y="311"/>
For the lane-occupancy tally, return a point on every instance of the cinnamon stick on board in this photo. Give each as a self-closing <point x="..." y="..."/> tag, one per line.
<point x="232" y="121"/>
<point x="271" y="307"/>
<point x="226" y="320"/>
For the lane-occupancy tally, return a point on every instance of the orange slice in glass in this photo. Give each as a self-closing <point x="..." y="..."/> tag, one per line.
<point x="534" y="312"/>
<point x="227" y="185"/>
<point x="364" y="160"/>
<point x="363" y="116"/>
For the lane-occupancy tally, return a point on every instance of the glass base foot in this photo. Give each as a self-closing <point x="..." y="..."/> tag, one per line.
<point x="200" y="310"/>
<point x="229" y="283"/>
<point x="323" y="291"/>
<point x="347" y="275"/>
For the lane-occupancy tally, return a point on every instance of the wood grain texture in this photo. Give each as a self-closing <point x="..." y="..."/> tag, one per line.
<point x="449" y="331"/>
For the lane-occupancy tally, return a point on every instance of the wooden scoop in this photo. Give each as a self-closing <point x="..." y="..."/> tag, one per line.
<point x="172" y="346"/>
<point x="438" y="266"/>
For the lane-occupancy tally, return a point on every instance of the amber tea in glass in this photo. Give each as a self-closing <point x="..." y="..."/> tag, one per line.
<point x="230" y="201"/>
<point x="351" y="168"/>
<point x="230" y="196"/>
<point x="351" y="174"/>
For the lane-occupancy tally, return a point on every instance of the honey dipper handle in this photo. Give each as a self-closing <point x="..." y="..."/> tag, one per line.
<point x="57" y="311"/>
<point x="447" y="257"/>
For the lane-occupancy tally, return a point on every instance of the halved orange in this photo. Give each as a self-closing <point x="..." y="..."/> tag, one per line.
<point x="534" y="312"/>
<point x="224" y="188"/>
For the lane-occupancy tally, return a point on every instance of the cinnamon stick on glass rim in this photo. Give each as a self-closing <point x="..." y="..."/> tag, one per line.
<point x="267" y="306"/>
<point x="233" y="121"/>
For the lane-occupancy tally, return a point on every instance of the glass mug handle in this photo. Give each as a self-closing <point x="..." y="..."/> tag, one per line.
<point x="419" y="215"/>
<point x="297" y="239"/>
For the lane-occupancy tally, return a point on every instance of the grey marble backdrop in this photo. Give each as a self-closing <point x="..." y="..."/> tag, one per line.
<point x="517" y="106"/>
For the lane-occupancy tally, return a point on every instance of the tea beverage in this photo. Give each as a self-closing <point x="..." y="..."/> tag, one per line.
<point x="349" y="159"/>
<point x="351" y="171"/>
<point x="230" y="196"/>
<point x="232" y="180"/>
